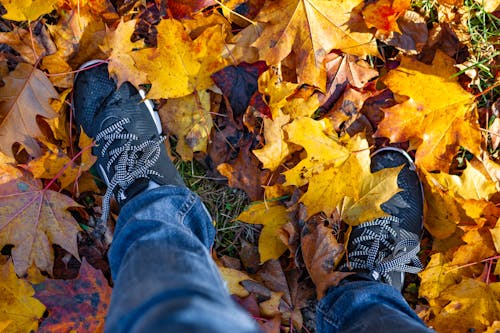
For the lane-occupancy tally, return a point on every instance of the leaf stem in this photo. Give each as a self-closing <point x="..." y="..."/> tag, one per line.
<point x="235" y="13"/>
<point x="67" y="165"/>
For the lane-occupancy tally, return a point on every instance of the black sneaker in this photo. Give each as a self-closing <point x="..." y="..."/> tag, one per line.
<point x="130" y="152"/>
<point x="385" y="248"/>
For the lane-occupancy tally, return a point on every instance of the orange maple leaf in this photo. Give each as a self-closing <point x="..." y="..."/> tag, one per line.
<point x="384" y="14"/>
<point x="310" y="29"/>
<point x="438" y="113"/>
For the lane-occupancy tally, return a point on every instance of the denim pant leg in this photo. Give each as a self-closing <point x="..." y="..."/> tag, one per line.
<point x="366" y="306"/>
<point x="165" y="279"/>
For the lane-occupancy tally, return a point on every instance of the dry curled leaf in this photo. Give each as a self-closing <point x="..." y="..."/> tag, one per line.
<point x="189" y="119"/>
<point x="321" y="253"/>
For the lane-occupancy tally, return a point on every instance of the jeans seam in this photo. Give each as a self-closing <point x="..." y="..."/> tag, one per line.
<point x="186" y="207"/>
<point x="326" y="317"/>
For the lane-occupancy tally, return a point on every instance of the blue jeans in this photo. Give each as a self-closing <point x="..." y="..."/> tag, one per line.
<point x="166" y="281"/>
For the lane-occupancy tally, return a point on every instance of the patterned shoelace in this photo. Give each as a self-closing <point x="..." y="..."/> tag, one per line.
<point x="131" y="161"/>
<point x="383" y="254"/>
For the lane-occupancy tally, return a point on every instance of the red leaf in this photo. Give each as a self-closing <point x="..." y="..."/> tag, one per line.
<point x="79" y="304"/>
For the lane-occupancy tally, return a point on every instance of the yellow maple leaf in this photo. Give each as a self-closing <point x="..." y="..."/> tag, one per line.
<point x="338" y="173"/>
<point x="351" y="188"/>
<point x="233" y="278"/>
<point x="48" y="166"/>
<point x="285" y="96"/>
<point x="472" y="184"/>
<point x="26" y="10"/>
<point x="310" y="29"/>
<point x="52" y="163"/>
<point x="179" y="65"/>
<point x="189" y="119"/>
<point x="375" y="189"/>
<point x="19" y="310"/>
<point x="276" y="148"/>
<point x="437" y="276"/>
<point x="77" y="35"/>
<point x="8" y="170"/>
<point x="470" y="305"/>
<point x="270" y="308"/>
<point x="118" y="46"/>
<point x="4" y="324"/>
<point x="438" y="112"/>
<point x="443" y="213"/>
<point x="495" y="235"/>
<point x="479" y="245"/>
<point x="453" y="199"/>
<point x="272" y="215"/>
<point x="321" y="144"/>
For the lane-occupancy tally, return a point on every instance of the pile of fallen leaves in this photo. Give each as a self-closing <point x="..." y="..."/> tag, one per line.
<point x="287" y="99"/>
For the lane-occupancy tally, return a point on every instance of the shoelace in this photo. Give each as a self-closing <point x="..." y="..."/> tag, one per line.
<point x="384" y="255"/>
<point x="131" y="161"/>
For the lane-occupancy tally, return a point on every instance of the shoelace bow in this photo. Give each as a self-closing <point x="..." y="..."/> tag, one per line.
<point x="133" y="161"/>
<point x="384" y="255"/>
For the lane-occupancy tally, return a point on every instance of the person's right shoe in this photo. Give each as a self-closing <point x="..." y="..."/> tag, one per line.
<point x="131" y="156"/>
<point x="385" y="248"/>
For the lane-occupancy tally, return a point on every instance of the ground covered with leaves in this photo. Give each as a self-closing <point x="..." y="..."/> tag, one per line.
<point x="284" y="101"/>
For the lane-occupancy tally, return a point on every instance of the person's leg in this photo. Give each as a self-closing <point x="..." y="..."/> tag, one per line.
<point x="366" y="306"/>
<point x="165" y="279"/>
<point x="379" y="252"/>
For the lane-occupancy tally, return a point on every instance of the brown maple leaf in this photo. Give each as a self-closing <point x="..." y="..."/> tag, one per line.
<point x="321" y="253"/>
<point x="29" y="47"/>
<point x="34" y="218"/>
<point x="25" y="95"/>
<point x="244" y="173"/>
<point x="341" y="71"/>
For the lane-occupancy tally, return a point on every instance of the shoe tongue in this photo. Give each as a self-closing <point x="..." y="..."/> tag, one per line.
<point x="135" y="188"/>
